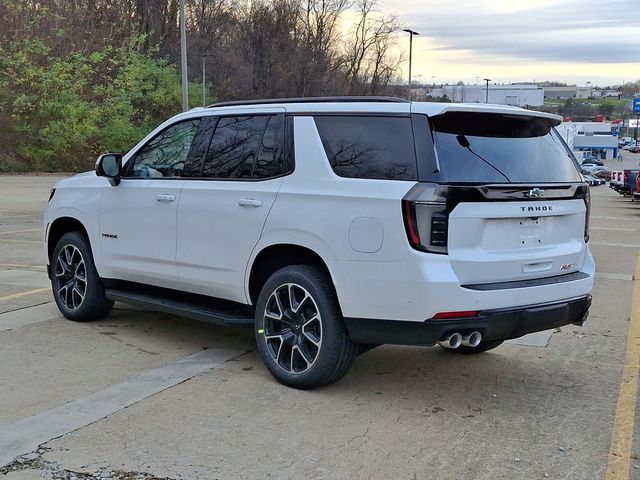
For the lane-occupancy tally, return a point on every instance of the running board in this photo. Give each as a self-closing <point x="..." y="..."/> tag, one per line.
<point x="180" y="308"/>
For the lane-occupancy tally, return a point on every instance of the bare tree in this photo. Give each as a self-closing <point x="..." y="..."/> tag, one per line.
<point x="370" y="66"/>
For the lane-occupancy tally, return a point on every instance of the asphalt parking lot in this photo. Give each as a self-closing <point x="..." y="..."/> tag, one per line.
<point x="147" y="395"/>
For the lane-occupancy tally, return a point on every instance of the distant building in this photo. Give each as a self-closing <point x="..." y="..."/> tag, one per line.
<point x="590" y="138"/>
<point x="611" y="93"/>
<point x="568" y="92"/>
<point x="516" y="95"/>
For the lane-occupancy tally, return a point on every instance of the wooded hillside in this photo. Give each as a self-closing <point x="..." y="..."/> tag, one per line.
<point x="81" y="77"/>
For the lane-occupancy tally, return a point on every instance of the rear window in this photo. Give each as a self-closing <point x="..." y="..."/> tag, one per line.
<point x="498" y="148"/>
<point x="369" y="147"/>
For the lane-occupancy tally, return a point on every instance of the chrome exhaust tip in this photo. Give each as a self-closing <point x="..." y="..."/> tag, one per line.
<point x="453" y="340"/>
<point x="472" y="339"/>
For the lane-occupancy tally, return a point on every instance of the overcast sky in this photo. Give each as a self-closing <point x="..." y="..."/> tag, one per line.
<point x="574" y="41"/>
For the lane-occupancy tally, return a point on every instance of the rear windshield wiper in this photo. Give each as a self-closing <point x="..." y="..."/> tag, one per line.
<point x="464" y="142"/>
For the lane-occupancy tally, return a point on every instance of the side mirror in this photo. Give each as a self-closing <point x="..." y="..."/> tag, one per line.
<point x="110" y="165"/>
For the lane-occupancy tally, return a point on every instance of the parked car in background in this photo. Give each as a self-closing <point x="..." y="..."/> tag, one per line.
<point x="592" y="167"/>
<point x="593" y="181"/>
<point x="629" y="182"/>
<point x="616" y="179"/>
<point x="592" y="161"/>
<point x="603" y="174"/>
<point x="635" y="195"/>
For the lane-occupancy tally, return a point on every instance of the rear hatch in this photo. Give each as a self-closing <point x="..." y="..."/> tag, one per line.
<point x="506" y="201"/>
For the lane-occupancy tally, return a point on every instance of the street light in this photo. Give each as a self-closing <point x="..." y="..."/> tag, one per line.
<point x="486" y="100"/>
<point x="183" y="57"/>
<point x="411" y="34"/>
<point x="204" y="79"/>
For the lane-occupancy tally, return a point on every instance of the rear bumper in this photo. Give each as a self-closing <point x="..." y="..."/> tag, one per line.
<point x="497" y="324"/>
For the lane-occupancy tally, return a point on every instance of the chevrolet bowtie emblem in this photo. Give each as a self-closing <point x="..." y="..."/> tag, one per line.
<point x="534" y="193"/>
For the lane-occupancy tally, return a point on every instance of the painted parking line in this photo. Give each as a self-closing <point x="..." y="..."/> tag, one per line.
<point x="612" y="244"/>
<point x="607" y="217"/>
<point x="614" y="229"/>
<point x="615" y="276"/>
<point x="24" y="294"/>
<point x="11" y="240"/>
<point x="28" y="316"/>
<point x="19" y="265"/>
<point x="624" y="420"/>
<point x="21" y="231"/>
<point x="25" y="435"/>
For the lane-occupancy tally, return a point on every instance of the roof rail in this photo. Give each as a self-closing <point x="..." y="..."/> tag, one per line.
<point x="311" y="100"/>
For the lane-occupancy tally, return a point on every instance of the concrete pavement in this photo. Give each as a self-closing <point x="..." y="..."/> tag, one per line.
<point x="542" y="407"/>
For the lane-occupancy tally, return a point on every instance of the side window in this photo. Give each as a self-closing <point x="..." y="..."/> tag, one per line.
<point x="270" y="161"/>
<point x="234" y="147"/>
<point x="369" y="147"/>
<point x="165" y="155"/>
<point x="199" y="147"/>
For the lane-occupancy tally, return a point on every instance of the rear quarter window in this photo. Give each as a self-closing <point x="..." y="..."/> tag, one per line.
<point x="370" y="147"/>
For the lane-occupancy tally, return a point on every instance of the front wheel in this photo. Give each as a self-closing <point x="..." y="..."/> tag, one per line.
<point x="299" y="329"/>
<point x="77" y="288"/>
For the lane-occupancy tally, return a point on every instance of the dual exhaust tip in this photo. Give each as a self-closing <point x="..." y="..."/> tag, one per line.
<point x="454" y="340"/>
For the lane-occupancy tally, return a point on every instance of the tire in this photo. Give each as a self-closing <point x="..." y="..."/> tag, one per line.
<point x="482" y="347"/>
<point x="299" y="329"/>
<point x="77" y="288"/>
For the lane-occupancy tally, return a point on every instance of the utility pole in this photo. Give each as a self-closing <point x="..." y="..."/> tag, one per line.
<point x="486" y="100"/>
<point x="183" y="58"/>
<point x="411" y="34"/>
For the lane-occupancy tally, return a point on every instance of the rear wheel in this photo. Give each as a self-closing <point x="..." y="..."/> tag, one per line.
<point x="482" y="347"/>
<point x="299" y="329"/>
<point x="77" y="288"/>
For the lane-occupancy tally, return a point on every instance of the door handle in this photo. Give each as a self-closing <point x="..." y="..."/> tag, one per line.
<point x="249" y="202"/>
<point x="165" y="197"/>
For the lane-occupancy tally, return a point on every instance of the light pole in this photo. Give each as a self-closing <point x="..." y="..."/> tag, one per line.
<point x="183" y="57"/>
<point x="204" y="78"/>
<point x="486" y="100"/>
<point x="411" y="34"/>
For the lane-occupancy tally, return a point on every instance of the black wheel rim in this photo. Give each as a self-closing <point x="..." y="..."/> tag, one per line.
<point x="70" y="280"/>
<point x="292" y="328"/>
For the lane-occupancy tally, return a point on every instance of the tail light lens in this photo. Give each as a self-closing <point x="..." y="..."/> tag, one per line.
<point x="585" y="194"/>
<point x="462" y="314"/>
<point x="626" y="177"/>
<point x="426" y="218"/>
<point x="638" y="182"/>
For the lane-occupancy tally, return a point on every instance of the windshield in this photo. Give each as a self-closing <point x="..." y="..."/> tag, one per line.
<point x="499" y="148"/>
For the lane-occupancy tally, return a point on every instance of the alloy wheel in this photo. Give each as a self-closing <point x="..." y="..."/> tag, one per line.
<point x="292" y="328"/>
<point x="70" y="277"/>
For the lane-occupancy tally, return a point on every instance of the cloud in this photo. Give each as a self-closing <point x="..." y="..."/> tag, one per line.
<point x="578" y="31"/>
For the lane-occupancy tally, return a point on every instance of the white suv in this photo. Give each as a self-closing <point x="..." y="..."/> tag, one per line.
<point x="330" y="225"/>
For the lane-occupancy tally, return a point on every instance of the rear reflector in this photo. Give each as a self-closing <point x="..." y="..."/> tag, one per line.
<point x="463" y="314"/>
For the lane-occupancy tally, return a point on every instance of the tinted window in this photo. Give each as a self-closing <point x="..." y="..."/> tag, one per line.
<point x="199" y="147"/>
<point x="488" y="148"/>
<point x="166" y="154"/>
<point x="234" y="147"/>
<point x="369" y="147"/>
<point x="270" y="161"/>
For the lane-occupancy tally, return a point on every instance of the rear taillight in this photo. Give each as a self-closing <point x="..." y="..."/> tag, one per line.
<point x="626" y="177"/>
<point x="426" y="218"/>
<point x="638" y="182"/>
<point x="462" y="314"/>
<point x="585" y="194"/>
